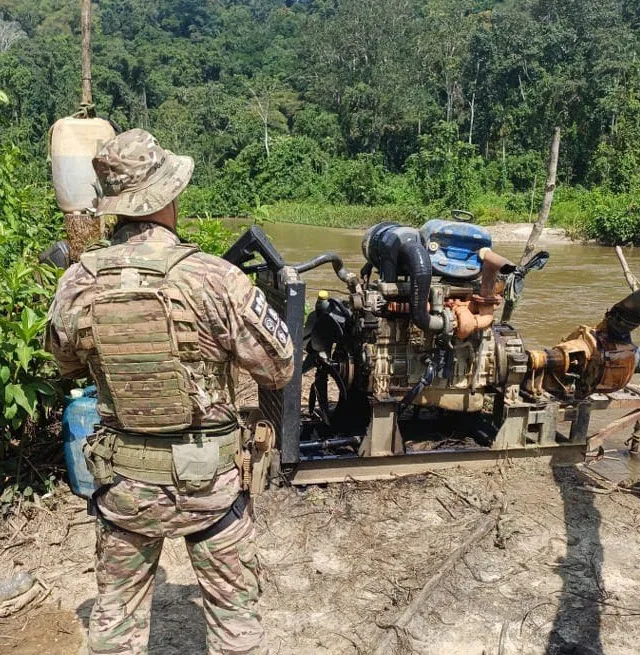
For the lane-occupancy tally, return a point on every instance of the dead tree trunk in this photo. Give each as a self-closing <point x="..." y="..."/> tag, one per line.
<point x="550" y="187"/>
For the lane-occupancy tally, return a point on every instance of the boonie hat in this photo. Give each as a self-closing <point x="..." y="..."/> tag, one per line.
<point x="138" y="177"/>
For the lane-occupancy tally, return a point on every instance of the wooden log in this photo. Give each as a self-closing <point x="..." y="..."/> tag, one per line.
<point x="596" y="440"/>
<point x="482" y="529"/>
<point x="631" y="279"/>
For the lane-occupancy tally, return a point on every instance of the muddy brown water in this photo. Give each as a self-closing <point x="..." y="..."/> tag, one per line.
<point x="578" y="285"/>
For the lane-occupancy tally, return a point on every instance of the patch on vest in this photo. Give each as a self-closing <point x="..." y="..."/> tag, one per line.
<point x="282" y="334"/>
<point x="268" y="323"/>
<point x="259" y="302"/>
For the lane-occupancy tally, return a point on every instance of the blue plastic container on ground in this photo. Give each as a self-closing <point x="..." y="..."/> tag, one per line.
<point x="78" y="420"/>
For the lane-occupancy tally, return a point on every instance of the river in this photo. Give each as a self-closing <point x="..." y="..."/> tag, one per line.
<point x="576" y="287"/>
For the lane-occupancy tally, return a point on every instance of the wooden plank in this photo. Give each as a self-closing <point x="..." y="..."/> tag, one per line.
<point x="596" y="440"/>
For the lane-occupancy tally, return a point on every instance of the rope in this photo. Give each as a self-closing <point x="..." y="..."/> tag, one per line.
<point x="86" y="110"/>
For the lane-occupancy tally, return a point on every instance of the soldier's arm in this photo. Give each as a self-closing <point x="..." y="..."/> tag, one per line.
<point x="57" y="342"/>
<point x="250" y="329"/>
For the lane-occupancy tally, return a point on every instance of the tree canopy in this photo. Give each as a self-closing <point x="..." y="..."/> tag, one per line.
<point x="434" y="91"/>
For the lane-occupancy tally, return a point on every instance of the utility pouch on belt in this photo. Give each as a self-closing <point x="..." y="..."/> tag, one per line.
<point x="195" y="465"/>
<point x="98" y="453"/>
<point x="256" y="458"/>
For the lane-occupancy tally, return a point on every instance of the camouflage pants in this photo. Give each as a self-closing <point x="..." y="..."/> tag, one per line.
<point x="226" y="566"/>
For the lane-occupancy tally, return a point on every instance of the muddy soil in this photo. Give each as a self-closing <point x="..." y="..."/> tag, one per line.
<point x="558" y="575"/>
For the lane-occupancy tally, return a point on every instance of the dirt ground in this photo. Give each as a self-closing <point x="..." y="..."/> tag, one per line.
<point x="558" y="575"/>
<point x="519" y="233"/>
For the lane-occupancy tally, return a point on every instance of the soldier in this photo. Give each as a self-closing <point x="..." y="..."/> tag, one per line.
<point x="162" y="329"/>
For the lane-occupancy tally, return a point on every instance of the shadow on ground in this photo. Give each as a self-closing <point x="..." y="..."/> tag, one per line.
<point x="576" y="627"/>
<point x="177" y="620"/>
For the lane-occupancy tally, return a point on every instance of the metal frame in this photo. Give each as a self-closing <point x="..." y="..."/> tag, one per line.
<point x="394" y="466"/>
<point x="282" y="407"/>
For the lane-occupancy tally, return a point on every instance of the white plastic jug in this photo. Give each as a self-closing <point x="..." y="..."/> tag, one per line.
<point x="74" y="143"/>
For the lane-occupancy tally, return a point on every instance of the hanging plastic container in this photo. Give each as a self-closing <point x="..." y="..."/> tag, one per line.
<point x="78" y="422"/>
<point x="74" y="143"/>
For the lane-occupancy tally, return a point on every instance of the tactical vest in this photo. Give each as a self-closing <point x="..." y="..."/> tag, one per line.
<point x="140" y="330"/>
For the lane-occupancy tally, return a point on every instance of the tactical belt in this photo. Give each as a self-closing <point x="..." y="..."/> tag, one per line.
<point x="151" y="460"/>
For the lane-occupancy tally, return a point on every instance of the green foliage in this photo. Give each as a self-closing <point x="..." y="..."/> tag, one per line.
<point x="417" y="106"/>
<point x="446" y="169"/>
<point x="29" y="221"/>
<point x="24" y="368"/>
<point x="357" y="181"/>
<point x="28" y="224"/>
<point x="207" y="232"/>
<point x="291" y="172"/>
<point x="355" y="216"/>
<point x="614" y="220"/>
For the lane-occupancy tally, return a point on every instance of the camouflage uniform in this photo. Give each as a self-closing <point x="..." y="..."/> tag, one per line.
<point x="235" y="327"/>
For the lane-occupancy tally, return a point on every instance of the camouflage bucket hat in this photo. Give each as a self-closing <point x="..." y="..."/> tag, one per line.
<point x="138" y="177"/>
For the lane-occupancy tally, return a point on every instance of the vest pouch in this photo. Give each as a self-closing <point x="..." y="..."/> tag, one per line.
<point x="195" y="465"/>
<point x="140" y="361"/>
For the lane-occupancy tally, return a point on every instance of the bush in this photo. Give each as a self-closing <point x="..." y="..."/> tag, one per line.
<point x="209" y="233"/>
<point x="355" y="181"/>
<point x="446" y="169"/>
<point x="29" y="223"/>
<point x="614" y="219"/>
<point x="523" y="169"/>
<point x="293" y="171"/>
<point x="29" y="219"/>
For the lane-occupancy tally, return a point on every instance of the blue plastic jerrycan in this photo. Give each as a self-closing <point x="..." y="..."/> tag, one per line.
<point x="78" y="420"/>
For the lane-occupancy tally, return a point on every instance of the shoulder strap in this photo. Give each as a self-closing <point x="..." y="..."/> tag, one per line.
<point x="89" y="257"/>
<point x="115" y="258"/>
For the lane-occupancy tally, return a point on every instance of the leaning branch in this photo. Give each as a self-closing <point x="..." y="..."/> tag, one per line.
<point x="545" y="208"/>
<point x="631" y="279"/>
<point x="483" y="528"/>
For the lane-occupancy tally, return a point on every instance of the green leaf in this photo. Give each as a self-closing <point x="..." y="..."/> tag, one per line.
<point x="26" y="398"/>
<point x="10" y="411"/>
<point x="7" y="494"/>
<point x="44" y="388"/>
<point x="24" y="353"/>
<point x="8" y="394"/>
<point x="5" y="373"/>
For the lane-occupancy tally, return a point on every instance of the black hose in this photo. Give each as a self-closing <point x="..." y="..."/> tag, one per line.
<point x="415" y="261"/>
<point x="326" y="258"/>
<point x="624" y="316"/>
<point x="337" y="442"/>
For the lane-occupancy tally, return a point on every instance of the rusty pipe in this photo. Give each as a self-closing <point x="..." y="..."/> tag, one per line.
<point x="468" y="322"/>
<point x="492" y="264"/>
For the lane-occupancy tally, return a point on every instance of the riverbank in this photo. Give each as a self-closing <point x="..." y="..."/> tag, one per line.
<point x="508" y="226"/>
<point x="519" y="233"/>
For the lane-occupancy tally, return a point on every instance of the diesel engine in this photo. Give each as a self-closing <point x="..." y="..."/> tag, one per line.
<point x="418" y="329"/>
<point x="412" y="353"/>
